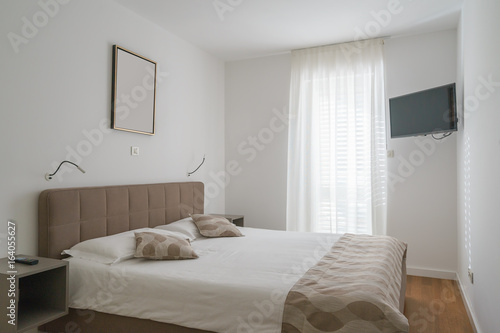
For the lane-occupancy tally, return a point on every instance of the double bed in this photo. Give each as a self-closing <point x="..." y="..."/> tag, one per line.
<point x="254" y="283"/>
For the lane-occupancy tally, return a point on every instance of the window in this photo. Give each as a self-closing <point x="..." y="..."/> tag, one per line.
<point x="337" y="162"/>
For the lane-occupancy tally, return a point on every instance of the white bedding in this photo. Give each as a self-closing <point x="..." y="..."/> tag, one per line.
<point x="238" y="284"/>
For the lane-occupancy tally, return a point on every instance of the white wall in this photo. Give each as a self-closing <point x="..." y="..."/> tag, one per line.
<point x="422" y="209"/>
<point x="257" y="93"/>
<point x="59" y="85"/>
<point x="422" y="176"/>
<point x="479" y="160"/>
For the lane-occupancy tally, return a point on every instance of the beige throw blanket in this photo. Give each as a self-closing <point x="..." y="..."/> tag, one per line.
<point x="353" y="288"/>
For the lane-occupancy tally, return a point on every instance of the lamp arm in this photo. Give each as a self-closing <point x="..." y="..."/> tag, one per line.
<point x="49" y="176"/>
<point x="199" y="166"/>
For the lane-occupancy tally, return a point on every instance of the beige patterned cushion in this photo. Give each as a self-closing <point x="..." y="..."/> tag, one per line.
<point x="213" y="226"/>
<point x="152" y="245"/>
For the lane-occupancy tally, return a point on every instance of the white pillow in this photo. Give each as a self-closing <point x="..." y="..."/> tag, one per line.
<point x="185" y="226"/>
<point x="112" y="249"/>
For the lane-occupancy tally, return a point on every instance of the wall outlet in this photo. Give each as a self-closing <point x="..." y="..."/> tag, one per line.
<point x="134" y="151"/>
<point x="471" y="275"/>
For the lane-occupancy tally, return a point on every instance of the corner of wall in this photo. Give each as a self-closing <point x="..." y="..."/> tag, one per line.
<point x="467" y="305"/>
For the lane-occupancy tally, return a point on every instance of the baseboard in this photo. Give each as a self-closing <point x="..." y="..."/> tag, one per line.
<point x="431" y="273"/>
<point x="468" y="308"/>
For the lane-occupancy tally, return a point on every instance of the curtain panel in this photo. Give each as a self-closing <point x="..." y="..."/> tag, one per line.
<point x="337" y="169"/>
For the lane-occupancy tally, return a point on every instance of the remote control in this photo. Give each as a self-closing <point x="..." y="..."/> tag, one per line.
<point x="26" y="261"/>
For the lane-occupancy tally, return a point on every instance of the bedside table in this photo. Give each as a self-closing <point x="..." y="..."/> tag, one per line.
<point x="32" y="295"/>
<point x="237" y="220"/>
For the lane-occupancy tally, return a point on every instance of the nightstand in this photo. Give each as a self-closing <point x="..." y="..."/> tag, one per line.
<point x="237" y="220"/>
<point x="32" y="295"/>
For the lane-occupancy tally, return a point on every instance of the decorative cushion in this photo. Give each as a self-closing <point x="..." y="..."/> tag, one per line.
<point x="213" y="226"/>
<point x="151" y="245"/>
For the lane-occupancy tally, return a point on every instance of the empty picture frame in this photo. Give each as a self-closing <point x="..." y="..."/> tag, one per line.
<point x="134" y="92"/>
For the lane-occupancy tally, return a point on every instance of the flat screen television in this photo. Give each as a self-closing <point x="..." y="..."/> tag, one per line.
<point x="424" y="112"/>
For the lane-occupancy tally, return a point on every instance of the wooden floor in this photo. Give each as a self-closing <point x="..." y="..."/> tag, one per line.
<point x="435" y="305"/>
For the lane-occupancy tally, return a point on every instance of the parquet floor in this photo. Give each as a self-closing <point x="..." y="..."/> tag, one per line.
<point x="435" y="306"/>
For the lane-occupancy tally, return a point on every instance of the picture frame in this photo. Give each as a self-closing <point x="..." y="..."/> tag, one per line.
<point x="134" y="92"/>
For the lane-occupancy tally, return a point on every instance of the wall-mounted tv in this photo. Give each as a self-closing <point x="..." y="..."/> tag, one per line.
<point x="425" y="112"/>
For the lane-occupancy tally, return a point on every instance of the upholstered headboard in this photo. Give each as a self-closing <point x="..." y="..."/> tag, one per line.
<point x="71" y="215"/>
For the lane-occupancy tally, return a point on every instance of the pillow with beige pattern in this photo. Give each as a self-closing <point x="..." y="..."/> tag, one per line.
<point x="156" y="246"/>
<point x="214" y="226"/>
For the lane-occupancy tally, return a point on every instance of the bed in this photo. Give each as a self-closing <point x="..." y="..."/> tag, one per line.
<point x="70" y="216"/>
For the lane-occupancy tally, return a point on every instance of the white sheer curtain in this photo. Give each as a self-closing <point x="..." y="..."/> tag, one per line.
<point x="337" y="140"/>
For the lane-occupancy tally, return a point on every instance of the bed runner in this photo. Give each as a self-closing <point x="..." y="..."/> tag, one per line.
<point x="353" y="288"/>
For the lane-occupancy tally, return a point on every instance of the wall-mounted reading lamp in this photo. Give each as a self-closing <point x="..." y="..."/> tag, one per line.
<point x="49" y="176"/>
<point x="190" y="173"/>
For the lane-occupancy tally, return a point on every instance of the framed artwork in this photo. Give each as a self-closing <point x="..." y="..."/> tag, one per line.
<point x="134" y="92"/>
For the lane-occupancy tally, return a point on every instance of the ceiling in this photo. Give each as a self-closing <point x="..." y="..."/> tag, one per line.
<point x="239" y="29"/>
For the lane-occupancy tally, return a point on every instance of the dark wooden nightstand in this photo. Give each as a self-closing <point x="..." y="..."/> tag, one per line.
<point x="237" y="220"/>
<point x="32" y="295"/>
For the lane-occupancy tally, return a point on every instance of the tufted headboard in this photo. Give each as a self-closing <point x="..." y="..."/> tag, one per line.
<point x="68" y="216"/>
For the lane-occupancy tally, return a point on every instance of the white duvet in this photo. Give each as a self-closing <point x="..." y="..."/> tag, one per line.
<point x="236" y="285"/>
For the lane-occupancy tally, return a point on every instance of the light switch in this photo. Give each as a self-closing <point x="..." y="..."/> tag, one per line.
<point x="134" y="151"/>
<point x="390" y="153"/>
